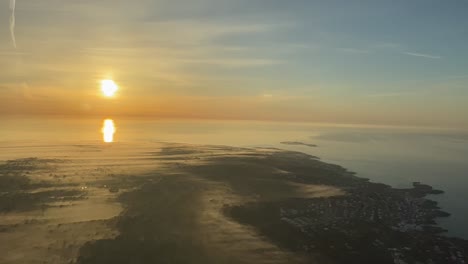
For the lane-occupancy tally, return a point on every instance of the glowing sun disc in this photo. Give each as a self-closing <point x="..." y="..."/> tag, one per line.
<point x="109" y="87"/>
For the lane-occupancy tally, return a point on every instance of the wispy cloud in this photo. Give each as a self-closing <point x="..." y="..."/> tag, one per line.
<point x="13" y="21"/>
<point x="428" y="56"/>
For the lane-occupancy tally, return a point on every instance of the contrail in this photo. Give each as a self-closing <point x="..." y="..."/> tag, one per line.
<point x="12" y="21"/>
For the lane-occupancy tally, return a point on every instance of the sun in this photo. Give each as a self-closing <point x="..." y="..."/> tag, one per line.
<point x="109" y="87"/>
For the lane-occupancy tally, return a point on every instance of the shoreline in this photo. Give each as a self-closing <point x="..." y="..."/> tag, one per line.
<point x="232" y="204"/>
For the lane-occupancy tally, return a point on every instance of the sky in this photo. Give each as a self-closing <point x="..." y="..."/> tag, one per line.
<point x="376" y="62"/>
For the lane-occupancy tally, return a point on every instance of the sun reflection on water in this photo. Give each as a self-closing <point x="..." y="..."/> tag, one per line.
<point x="108" y="130"/>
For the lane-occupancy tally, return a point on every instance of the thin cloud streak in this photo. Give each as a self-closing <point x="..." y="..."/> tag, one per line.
<point x="13" y="22"/>
<point x="428" y="56"/>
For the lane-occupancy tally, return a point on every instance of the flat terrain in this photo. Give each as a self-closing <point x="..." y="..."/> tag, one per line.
<point x="175" y="203"/>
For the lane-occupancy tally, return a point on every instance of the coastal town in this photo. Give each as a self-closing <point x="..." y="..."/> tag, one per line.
<point x="372" y="223"/>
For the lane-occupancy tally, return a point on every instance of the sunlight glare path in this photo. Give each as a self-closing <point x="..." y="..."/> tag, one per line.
<point x="108" y="130"/>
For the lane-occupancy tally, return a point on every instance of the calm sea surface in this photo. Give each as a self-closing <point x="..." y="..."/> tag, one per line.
<point x="395" y="156"/>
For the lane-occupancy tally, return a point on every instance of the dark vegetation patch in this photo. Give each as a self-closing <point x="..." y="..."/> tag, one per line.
<point x="182" y="150"/>
<point x="14" y="183"/>
<point x="26" y="164"/>
<point x="14" y="173"/>
<point x="158" y="225"/>
<point x="168" y="152"/>
<point x="257" y="174"/>
<point x="24" y="201"/>
<point x="118" y="182"/>
<point x="19" y="193"/>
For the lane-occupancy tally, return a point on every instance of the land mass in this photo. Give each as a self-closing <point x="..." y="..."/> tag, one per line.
<point x="218" y="204"/>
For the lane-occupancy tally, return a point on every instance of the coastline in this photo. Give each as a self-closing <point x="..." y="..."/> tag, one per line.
<point x="232" y="204"/>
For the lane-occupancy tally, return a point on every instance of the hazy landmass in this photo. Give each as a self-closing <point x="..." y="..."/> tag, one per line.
<point x="174" y="203"/>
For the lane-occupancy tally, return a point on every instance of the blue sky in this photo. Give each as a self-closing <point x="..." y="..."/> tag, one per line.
<point x="377" y="62"/>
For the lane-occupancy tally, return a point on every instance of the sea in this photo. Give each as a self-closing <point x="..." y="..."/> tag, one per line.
<point x="397" y="156"/>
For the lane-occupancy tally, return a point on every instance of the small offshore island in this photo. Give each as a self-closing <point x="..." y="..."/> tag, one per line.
<point x="213" y="204"/>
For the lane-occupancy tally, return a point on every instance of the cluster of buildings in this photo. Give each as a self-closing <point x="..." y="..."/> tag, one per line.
<point x="400" y="211"/>
<point x="399" y="224"/>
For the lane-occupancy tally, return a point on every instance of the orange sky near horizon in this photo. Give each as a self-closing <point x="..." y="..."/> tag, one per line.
<point x="242" y="60"/>
<point x="90" y="103"/>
